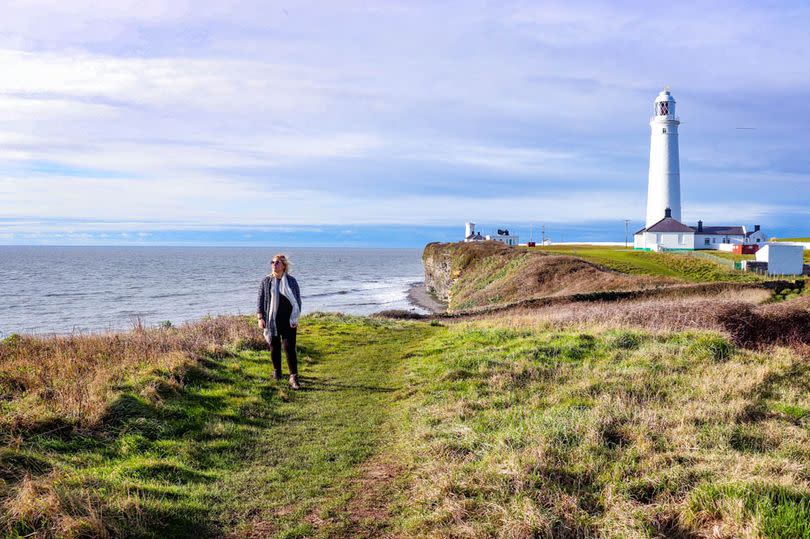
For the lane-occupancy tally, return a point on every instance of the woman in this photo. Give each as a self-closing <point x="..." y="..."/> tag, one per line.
<point x="278" y="310"/>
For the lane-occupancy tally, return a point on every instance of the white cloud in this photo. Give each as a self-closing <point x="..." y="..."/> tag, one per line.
<point x="496" y="157"/>
<point x="740" y="213"/>
<point x="127" y="111"/>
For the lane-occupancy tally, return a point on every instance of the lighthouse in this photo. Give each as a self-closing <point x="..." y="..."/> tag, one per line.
<point x="664" y="187"/>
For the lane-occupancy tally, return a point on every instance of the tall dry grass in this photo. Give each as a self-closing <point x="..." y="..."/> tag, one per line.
<point x="737" y="312"/>
<point x="70" y="379"/>
<point x="786" y="323"/>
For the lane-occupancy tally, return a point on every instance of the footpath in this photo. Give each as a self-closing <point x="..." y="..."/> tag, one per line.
<point x="309" y="468"/>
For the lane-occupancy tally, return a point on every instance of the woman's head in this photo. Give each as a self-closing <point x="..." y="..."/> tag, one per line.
<point x="279" y="265"/>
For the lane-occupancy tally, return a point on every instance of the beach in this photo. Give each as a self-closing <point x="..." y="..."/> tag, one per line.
<point x="419" y="297"/>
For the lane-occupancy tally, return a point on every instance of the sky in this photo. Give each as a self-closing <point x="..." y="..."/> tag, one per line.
<point x="392" y="123"/>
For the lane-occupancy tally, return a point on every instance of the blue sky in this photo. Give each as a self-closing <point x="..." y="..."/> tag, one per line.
<point x="391" y="123"/>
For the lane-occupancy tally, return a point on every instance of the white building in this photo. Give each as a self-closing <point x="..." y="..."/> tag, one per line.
<point x="666" y="233"/>
<point x="470" y="234"/>
<point x="664" y="181"/>
<point x="782" y="259"/>
<point x="670" y="234"/>
<point x="719" y="237"/>
<point x="503" y="236"/>
<point x="664" y="229"/>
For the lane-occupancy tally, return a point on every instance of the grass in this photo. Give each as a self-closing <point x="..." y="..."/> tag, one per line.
<point x="733" y="256"/>
<point x="472" y="429"/>
<point x="777" y="511"/>
<point x="220" y="449"/>
<point x="632" y="262"/>
<point x="521" y="433"/>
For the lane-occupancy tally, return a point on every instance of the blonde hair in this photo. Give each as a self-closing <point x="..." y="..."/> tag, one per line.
<point x="284" y="262"/>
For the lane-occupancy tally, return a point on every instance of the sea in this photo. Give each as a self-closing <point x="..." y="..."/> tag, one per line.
<point x="49" y="289"/>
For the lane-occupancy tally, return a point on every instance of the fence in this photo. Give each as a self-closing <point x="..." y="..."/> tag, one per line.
<point x="732" y="264"/>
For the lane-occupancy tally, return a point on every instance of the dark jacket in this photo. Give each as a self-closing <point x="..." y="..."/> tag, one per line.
<point x="265" y="296"/>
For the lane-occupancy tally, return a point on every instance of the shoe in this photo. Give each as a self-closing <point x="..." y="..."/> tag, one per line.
<point x="276" y="375"/>
<point x="294" y="381"/>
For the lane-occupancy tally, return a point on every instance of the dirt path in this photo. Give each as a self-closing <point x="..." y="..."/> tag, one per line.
<point x="315" y="471"/>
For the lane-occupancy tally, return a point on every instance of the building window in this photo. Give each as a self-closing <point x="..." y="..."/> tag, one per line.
<point x="706" y="241"/>
<point x="680" y="239"/>
<point x="664" y="130"/>
<point x="658" y="238"/>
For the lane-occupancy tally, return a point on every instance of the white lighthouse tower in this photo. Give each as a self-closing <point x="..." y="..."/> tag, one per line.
<point x="664" y="188"/>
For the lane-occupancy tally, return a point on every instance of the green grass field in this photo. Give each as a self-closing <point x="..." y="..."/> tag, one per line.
<point x="732" y="256"/>
<point x="232" y="451"/>
<point x="678" y="266"/>
<point x="426" y="430"/>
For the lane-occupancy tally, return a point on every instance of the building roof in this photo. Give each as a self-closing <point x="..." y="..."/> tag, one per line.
<point x="669" y="224"/>
<point x="475" y="236"/>
<point x="721" y="230"/>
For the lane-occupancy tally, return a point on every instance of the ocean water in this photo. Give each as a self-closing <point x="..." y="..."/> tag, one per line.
<point x="66" y="289"/>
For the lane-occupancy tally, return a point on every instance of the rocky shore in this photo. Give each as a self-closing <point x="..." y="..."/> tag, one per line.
<point x="419" y="296"/>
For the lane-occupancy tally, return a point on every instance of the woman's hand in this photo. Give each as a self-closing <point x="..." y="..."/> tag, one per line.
<point x="294" y="326"/>
<point x="262" y="323"/>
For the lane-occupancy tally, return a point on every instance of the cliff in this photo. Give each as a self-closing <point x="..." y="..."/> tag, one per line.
<point x="467" y="275"/>
<point x="445" y="262"/>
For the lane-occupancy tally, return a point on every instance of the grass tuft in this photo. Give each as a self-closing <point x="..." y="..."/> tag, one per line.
<point x="778" y="512"/>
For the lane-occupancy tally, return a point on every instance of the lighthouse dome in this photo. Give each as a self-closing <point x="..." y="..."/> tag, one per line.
<point x="664" y="95"/>
<point x="665" y="104"/>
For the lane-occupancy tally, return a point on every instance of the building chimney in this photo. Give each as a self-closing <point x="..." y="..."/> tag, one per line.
<point x="700" y="226"/>
<point x="668" y="213"/>
<point x="756" y="228"/>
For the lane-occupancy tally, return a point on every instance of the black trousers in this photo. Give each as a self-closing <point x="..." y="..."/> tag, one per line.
<point x="285" y="340"/>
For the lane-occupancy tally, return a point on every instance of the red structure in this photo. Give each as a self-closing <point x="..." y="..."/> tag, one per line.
<point x="740" y="249"/>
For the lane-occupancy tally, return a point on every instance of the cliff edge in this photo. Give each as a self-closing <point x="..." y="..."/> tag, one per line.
<point x="478" y="274"/>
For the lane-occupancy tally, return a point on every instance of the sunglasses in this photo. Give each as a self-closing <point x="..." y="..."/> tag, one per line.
<point x="277" y="262"/>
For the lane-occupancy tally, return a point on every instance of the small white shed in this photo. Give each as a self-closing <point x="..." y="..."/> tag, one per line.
<point x="782" y="259"/>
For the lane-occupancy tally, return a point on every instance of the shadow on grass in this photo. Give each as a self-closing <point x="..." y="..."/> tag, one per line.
<point x="315" y="384"/>
<point x="155" y="457"/>
<point x="14" y="465"/>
